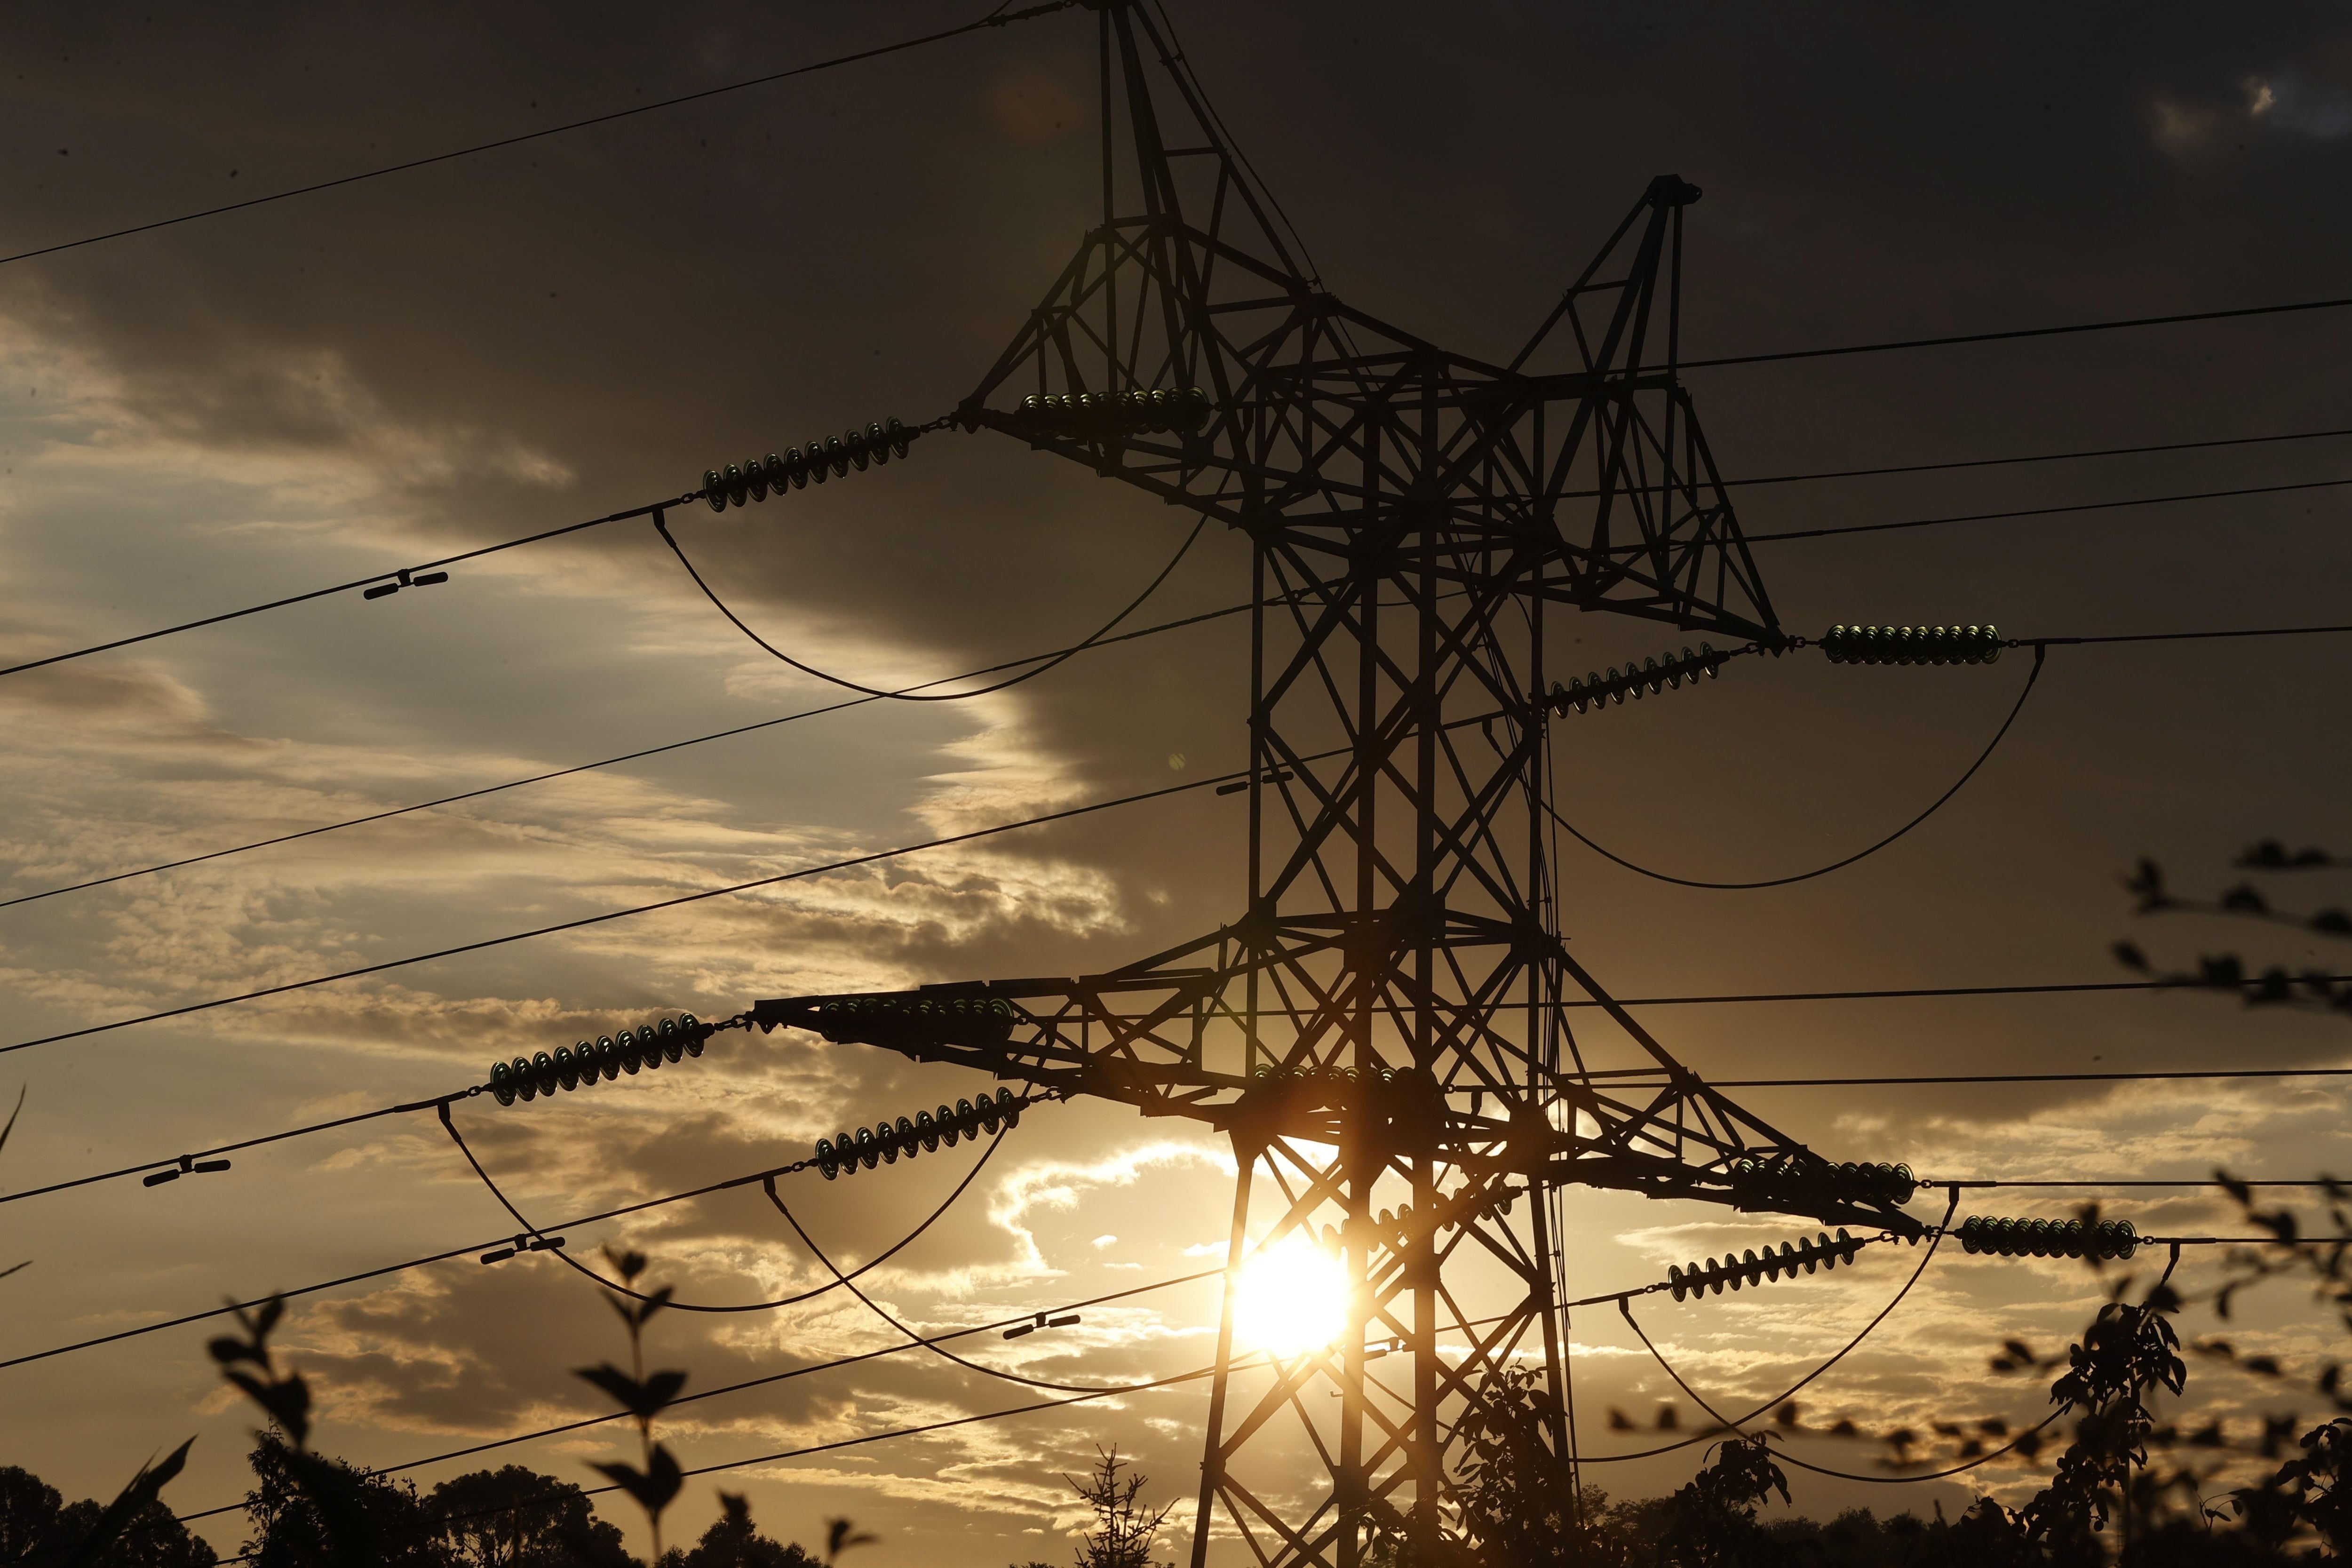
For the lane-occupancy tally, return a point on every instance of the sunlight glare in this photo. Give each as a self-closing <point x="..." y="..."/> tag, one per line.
<point x="1293" y="1297"/>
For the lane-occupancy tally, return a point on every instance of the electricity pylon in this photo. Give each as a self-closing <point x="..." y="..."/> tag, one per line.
<point x="1381" y="1029"/>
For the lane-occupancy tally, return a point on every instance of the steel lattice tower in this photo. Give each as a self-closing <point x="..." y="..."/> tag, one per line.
<point x="1380" y="1028"/>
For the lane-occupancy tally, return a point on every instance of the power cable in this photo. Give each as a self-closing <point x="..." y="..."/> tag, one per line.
<point x="2088" y="1182"/>
<point x="1913" y="992"/>
<point x="2027" y="458"/>
<point x="614" y="761"/>
<point x="914" y="1338"/>
<point x="1983" y="757"/>
<point x="2191" y="1074"/>
<point x="656" y="509"/>
<point x="996" y="19"/>
<point x="637" y="1207"/>
<point x="855" y="702"/>
<point x="2191" y="636"/>
<point x="1891" y="1081"/>
<point x="181" y="1161"/>
<point x="2031" y="511"/>
<point x="617" y="1288"/>
<point x="1624" y="1299"/>
<point x="561" y="1428"/>
<point x="683" y="898"/>
<point x="1921" y="1080"/>
<point x="1821" y="1470"/>
<point x="1052" y="662"/>
<point x="1240" y="1363"/>
<point x="781" y="1454"/>
<point x="2015" y="333"/>
<point x="400" y="576"/>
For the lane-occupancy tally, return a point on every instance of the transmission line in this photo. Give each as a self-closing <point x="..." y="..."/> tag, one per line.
<point x="401" y="575"/>
<point x="182" y="1161"/>
<point x="679" y="900"/>
<point x="2015" y="333"/>
<point x="2030" y="457"/>
<point x="915" y="1339"/>
<point x="1192" y="1377"/>
<point x="894" y="1349"/>
<point x="996" y="19"/>
<point x="625" y="757"/>
<point x="2186" y="1075"/>
<point x="2033" y="511"/>
<point x="1933" y="807"/>
<point x="1052" y="661"/>
<point x="1623" y="1299"/>
<point x="1739" y="1426"/>
<point x="968" y="675"/>
<point x="1895" y="992"/>
<point x="754" y="1178"/>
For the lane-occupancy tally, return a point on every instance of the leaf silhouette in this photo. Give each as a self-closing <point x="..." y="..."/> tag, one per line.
<point x="840" y="1535"/>
<point x="144" y="1489"/>
<point x="643" y="1400"/>
<point x="654" y="1486"/>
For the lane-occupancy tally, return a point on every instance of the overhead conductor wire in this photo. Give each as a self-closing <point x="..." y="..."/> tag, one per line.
<point x="1933" y="807"/>
<point x="1668" y="1368"/>
<point x="679" y="900"/>
<point x="560" y="1428"/>
<point x="998" y="17"/>
<point x="620" y="1289"/>
<point x="914" y="1336"/>
<point x="1624" y="1300"/>
<point x="1052" y="662"/>
<point x="1098" y="642"/>
<point x="2185" y="1075"/>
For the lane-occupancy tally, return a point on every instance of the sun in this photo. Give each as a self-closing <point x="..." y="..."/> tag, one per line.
<point x="1292" y="1297"/>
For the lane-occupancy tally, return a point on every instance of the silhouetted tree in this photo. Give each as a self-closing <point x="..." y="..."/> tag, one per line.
<point x="517" y="1518"/>
<point x="734" y="1542"/>
<point x="1124" y="1530"/>
<point x="38" y="1529"/>
<point x="312" y="1511"/>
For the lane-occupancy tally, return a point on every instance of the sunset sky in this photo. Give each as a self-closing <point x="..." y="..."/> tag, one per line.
<point x="226" y="411"/>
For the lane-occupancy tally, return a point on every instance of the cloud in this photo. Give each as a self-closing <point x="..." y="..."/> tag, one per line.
<point x="2288" y="101"/>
